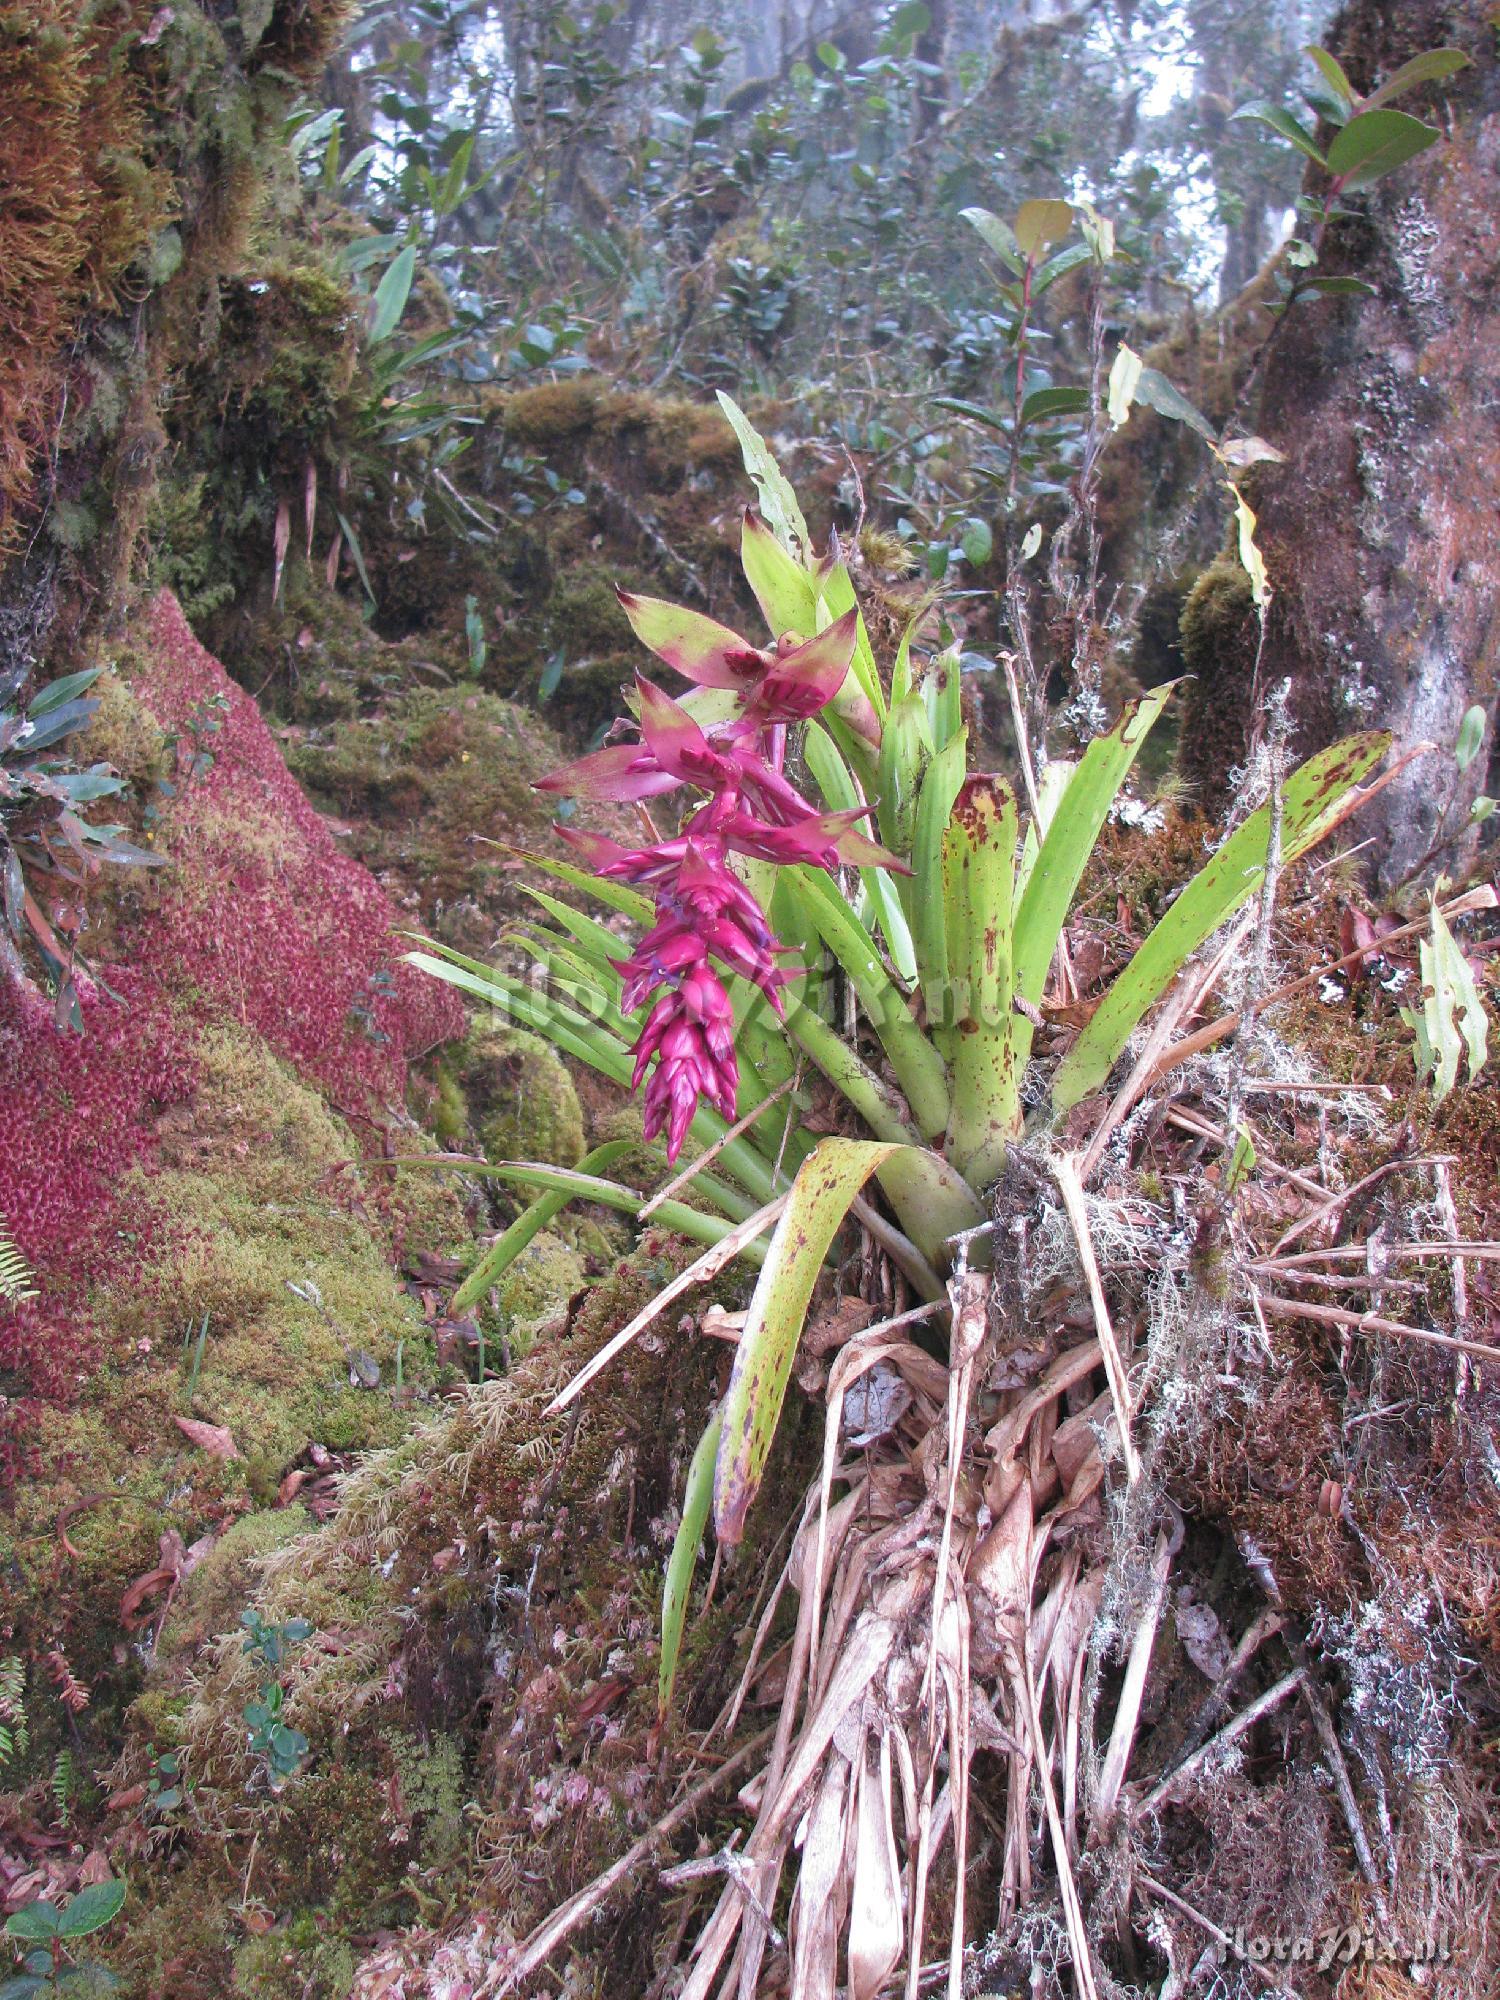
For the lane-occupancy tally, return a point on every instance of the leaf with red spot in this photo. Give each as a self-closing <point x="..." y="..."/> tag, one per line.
<point x="699" y="648"/>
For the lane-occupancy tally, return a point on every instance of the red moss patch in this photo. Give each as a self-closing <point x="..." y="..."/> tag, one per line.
<point x="259" y="920"/>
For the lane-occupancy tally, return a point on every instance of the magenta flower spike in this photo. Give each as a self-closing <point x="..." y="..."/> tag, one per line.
<point x="706" y="916"/>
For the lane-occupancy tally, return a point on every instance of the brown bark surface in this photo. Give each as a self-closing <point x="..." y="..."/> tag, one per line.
<point x="1383" y="531"/>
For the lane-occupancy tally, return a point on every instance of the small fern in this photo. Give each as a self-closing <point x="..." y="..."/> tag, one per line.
<point x="62" y="1784"/>
<point x="73" y="1693"/>
<point x="17" y="1279"/>
<point x="15" y="1727"/>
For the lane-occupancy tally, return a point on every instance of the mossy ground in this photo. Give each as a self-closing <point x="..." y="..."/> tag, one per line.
<point x="448" y="1757"/>
<point x="263" y="1191"/>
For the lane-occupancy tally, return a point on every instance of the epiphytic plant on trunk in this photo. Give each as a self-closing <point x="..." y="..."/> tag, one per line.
<point x="765" y="904"/>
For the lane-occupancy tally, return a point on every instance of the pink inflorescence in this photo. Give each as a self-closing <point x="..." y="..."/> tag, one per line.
<point x="704" y="911"/>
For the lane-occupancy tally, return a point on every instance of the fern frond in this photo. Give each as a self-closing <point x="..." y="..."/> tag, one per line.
<point x="61" y="1784"/>
<point x="17" y="1279"/>
<point x="15" y="1726"/>
<point x="73" y="1693"/>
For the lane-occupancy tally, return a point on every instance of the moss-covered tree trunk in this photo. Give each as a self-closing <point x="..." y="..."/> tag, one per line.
<point x="1383" y="532"/>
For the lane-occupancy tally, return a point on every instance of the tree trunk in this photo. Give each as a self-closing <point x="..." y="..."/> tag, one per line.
<point x="1382" y="533"/>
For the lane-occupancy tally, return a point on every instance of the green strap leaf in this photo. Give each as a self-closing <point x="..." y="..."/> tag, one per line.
<point x="817" y="1205"/>
<point x="576" y="1185"/>
<point x="1311" y="807"/>
<point x="778" y="503"/>
<point x="913" y="1056"/>
<point x="832" y="777"/>
<point x="874" y="1101"/>
<point x="783" y="589"/>
<point x="928" y="926"/>
<point x="1055" y="875"/>
<point x="906" y="750"/>
<point x="836" y="591"/>
<point x="576" y="1035"/>
<point x="391" y="295"/>
<point x="697" y="1499"/>
<point x="990" y="1039"/>
<point x="932" y="1200"/>
<point x="613" y="895"/>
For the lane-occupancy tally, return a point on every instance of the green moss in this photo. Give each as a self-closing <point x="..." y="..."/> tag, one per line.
<point x="263" y="1194"/>
<point x="536" y="1288"/>
<point x="121" y="733"/>
<point x="521" y="1099"/>
<point x="224" y="1582"/>
<point x="1220" y="634"/>
<point x="294" y="1963"/>
<point x="187" y="552"/>
<point x="445" y="1109"/>
<point x="425" y="776"/>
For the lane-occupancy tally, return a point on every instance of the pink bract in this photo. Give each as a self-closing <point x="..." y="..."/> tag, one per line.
<point x="704" y="911"/>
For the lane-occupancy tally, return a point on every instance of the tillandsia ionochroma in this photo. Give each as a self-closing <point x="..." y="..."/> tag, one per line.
<point x="704" y="911"/>
<point x="945" y="937"/>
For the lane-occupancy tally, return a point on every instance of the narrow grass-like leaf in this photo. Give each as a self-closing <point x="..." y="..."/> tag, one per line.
<point x="504" y="1251"/>
<point x="832" y="777"/>
<point x="827" y="1050"/>
<point x="614" y="895"/>
<point x="601" y="944"/>
<point x="836" y="592"/>
<point x="942" y="691"/>
<point x="576" y="1035"/>
<point x="906" y="750"/>
<point x="579" y="1186"/>
<point x="697" y="1500"/>
<point x="1314" y="799"/>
